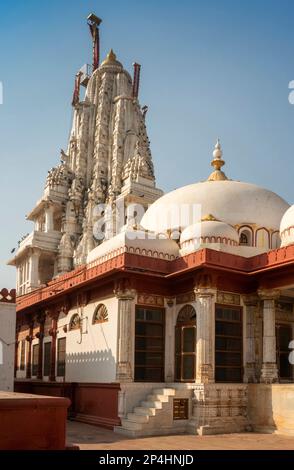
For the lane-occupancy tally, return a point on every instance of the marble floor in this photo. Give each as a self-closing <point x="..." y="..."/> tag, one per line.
<point x="89" y="437"/>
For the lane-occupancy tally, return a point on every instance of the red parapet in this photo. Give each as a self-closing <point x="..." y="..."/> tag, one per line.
<point x="157" y="264"/>
<point x="7" y="296"/>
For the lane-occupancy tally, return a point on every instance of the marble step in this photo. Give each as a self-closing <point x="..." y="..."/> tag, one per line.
<point x="130" y="425"/>
<point x="164" y="391"/>
<point x="136" y="418"/>
<point x="162" y="398"/>
<point x="152" y="404"/>
<point x="140" y="410"/>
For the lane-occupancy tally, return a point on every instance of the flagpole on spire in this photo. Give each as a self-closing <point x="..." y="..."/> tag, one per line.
<point x="94" y="22"/>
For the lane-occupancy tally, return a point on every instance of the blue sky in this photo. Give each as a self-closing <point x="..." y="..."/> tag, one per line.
<point x="210" y="68"/>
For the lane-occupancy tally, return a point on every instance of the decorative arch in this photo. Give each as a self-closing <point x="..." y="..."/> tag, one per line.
<point x="262" y="238"/>
<point x="100" y="314"/>
<point x="246" y="237"/>
<point x="75" y="322"/>
<point x="276" y="240"/>
<point x="187" y="314"/>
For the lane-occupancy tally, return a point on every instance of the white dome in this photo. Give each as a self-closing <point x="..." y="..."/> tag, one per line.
<point x="287" y="227"/>
<point x="233" y="202"/>
<point x="207" y="232"/>
<point x="211" y="231"/>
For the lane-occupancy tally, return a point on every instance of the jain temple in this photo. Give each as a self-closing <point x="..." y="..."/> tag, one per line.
<point x="153" y="313"/>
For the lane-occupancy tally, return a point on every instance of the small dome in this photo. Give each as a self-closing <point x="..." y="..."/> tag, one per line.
<point x="233" y="202"/>
<point x="206" y="232"/>
<point x="287" y="227"/>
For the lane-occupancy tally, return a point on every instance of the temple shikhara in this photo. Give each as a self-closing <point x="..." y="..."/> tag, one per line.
<point x="153" y="313"/>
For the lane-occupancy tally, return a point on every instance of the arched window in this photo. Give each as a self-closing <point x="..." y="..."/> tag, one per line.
<point x="100" y="314"/>
<point x="245" y="238"/>
<point x="74" y="323"/>
<point x="187" y="314"/>
<point x="185" y="345"/>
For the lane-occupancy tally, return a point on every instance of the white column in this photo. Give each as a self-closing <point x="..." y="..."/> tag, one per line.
<point x="269" y="371"/>
<point x="170" y="318"/>
<point x="33" y="273"/>
<point x="205" y="306"/>
<point x="125" y="351"/>
<point x="250" y="303"/>
<point x="18" y="279"/>
<point x="49" y="223"/>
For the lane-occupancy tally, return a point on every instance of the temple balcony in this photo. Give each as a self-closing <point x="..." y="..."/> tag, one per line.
<point x="45" y="241"/>
<point x="35" y="260"/>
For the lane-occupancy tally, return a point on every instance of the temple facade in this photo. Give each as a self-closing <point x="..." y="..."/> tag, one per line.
<point x="154" y="313"/>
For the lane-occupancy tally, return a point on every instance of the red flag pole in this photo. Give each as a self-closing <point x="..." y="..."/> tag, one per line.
<point x="136" y="80"/>
<point x="94" y="22"/>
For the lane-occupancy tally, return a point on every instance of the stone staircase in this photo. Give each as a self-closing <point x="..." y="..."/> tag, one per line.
<point x="153" y="416"/>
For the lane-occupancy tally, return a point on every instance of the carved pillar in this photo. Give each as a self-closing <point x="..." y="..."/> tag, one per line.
<point x="170" y="304"/>
<point x="16" y="358"/>
<point x="53" y="333"/>
<point x="49" y="223"/>
<point x="40" y="336"/>
<point x="29" y="340"/>
<point x="250" y="302"/>
<point x="33" y="272"/>
<point x="205" y="334"/>
<point x="269" y="371"/>
<point x="16" y="350"/>
<point x="126" y="313"/>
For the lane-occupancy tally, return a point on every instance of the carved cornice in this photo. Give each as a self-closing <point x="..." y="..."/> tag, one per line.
<point x="170" y="302"/>
<point x="204" y="292"/>
<point x="127" y="294"/>
<point x="185" y="298"/>
<point x="250" y="300"/>
<point x="7" y="296"/>
<point x="268" y="294"/>
<point x="151" y="300"/>
<point x="228" y="298"/>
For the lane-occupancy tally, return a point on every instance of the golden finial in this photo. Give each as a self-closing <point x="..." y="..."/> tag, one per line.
<point x="217" y="163"/>
<point x="208" y="218"/>
<point x="110" y="59"/>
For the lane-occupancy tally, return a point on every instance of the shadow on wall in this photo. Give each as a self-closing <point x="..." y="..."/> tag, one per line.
<point x="92" y="366"/>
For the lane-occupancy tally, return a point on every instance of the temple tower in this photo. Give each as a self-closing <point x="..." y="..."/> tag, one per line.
<point x="107" y="162"/>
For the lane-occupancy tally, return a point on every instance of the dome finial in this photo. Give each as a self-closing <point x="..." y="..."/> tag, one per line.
<point x="111" y="59"/>
<point x="217" y="163"/>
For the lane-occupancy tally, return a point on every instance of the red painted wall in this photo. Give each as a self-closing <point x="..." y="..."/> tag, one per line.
<point x="32" y="423"/>
<point x="92" y="403"/>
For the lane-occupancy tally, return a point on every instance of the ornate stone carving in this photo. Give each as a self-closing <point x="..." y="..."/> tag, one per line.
<point x="185" y="298"/>
<point x="108" y="143"/>
<point x="228" y="298"/>
<point x="269" y="372"/>
<point x="152" y="300"/>
<point x="219" y="408"/>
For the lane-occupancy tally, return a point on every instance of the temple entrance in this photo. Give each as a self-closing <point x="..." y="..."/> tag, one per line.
<point x="283" y="337"/>
<point x="185" y="345"/>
